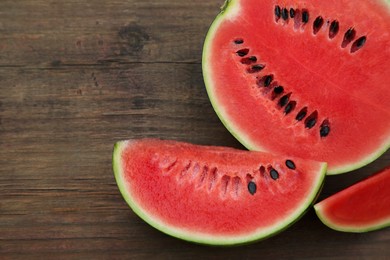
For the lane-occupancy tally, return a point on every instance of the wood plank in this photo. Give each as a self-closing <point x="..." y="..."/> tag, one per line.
<point x="77" y="76"/>
<point x="76" y="32"/>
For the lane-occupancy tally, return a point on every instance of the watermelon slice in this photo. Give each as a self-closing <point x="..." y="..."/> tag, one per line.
<point x="214" y="195"/>
<point x="362" y="207"/>
<point x="303" y="78"/>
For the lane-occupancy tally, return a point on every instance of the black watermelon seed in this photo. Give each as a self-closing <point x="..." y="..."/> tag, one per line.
<point x="284" y="100"/>
<point x="349" y="35"/>
<point x="292" y="12"/>
<point x="252" y="187"/>
<point x="317" y="24"/>
<point x="248" y="60"/>
<point x="311" y="120"/>
<point x="290" y="164"/>
<point x="301" y="114"/>
<point x="277" y="11"/>
<point x="256" y="68"/>
<point x="358" y="43"/>
<point x="262" y="169"/>
<point x="252" y="58"/>
<point x="274" y="174"/>
<point x="324" y="129"/>
<point x="238" y="41"/>
<point x="290" y="107"/>
<point x="333" y="29"/>
<point x="267" y="80"/>
<point x="305" y="16"/>
<point x="242" y="52"/>
<point x="278" y="90"/>
<point x="361" y="41"/>
<point x="285" y="14"/>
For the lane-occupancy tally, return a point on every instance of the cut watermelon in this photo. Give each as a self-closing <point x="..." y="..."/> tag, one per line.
<point x="303" y="78"/>
<point x="214" y="195"/>
<point x="362" y="207"/>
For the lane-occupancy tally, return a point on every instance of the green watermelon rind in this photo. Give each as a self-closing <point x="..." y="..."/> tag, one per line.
<point x="351" y="229"/>
<point x="200" y="238"/>
<point x="228" y="11"/>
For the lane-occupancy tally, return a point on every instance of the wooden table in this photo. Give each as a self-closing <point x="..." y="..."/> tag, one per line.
<point x="75" y="77"/>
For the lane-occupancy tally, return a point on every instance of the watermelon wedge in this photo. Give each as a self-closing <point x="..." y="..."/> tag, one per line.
<point x="214" y="195"/>
<point x="303" y="78"/>
<point x="362" y="207"/>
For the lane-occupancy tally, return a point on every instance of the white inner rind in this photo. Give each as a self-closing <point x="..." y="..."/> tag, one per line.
<point x="197" y="237"/>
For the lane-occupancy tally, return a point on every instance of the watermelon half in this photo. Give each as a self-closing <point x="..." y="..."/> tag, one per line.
<point x="214" y="195"/>
<point x="303" y="78"/>
<point x="362" y="207"/>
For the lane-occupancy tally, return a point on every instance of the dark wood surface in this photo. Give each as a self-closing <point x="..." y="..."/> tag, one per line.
<point x="77" y="76"/>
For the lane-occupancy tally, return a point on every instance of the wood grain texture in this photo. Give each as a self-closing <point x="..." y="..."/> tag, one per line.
<point x="76" y="76"/>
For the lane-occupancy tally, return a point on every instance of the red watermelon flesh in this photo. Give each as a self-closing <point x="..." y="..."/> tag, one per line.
<point x="303" y="78"/>
<point x="214" y="195"/>
<point x="362" y="207"/>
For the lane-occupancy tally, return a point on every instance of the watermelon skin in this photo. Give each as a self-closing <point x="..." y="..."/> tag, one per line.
<point x="163" y="182"/>
<point x="316" y="70"/>
<point x="362" y="207"/>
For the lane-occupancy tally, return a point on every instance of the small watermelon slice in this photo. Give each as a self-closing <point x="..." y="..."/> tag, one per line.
<point x="214" y="195"/>
<point x="303" y="78"/>
<point x="362" y="207"/>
